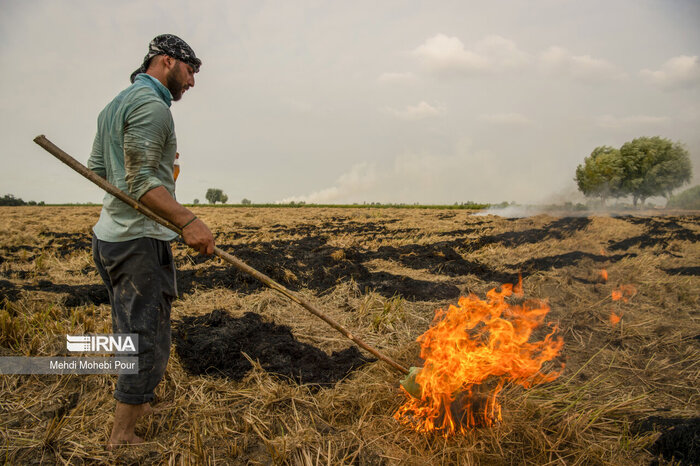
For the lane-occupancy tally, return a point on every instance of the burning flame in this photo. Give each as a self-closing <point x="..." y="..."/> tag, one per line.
<point x="624" y="293"/>
<point x="614" y="319"/>
<point x="470" y="352"/>
<point x="604" y="275"/>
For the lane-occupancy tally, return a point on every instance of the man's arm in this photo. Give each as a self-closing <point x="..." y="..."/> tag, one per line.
<point x="144" y="137"/>
<point x="196" y="234"/>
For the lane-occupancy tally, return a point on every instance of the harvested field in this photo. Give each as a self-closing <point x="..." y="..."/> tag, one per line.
<point x="255" y="379"/>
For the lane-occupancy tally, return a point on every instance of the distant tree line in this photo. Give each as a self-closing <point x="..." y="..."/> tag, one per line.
<point x="10" y="200"/>
<point x="642" y="168"/>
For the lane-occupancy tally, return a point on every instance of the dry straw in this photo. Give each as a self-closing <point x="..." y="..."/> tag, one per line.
<point x="647" y="365"/>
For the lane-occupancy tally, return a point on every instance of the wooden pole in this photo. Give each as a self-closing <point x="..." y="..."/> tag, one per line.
<point x="237" y="263"/>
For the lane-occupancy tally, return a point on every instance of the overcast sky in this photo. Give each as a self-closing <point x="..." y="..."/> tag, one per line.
<point x="341" y="102"/>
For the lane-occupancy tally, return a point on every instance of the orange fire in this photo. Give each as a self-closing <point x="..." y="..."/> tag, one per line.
<point x="470" y="352"/>
<point x="604" y="275"/>
<point x="624" y="293"/>
<point x="614" y="319"/>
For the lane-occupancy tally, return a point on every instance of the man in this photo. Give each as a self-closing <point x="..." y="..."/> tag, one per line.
<point x="134" y="149"/>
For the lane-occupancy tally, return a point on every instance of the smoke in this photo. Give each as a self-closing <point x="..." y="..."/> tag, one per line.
<point x="510" y="211"/>
<point x="567" y="194"/>
<point x="358" y="181"/>
<point x="567" y="201"/>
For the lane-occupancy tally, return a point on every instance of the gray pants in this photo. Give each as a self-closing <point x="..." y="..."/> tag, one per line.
<point x="140" y="279"/>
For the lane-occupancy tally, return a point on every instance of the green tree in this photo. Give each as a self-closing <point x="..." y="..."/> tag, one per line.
<point x="601" y="174"/>
<point x="195" y="202"/>
<point x="653" y="166"/>
<point x="246" y="201"/>
<point x="215" y="195"/>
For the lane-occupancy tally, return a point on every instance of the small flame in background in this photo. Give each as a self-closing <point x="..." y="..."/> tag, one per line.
<point x="614" y="319"/>
<point x="470" y="352"/>
<point x="624" y="293"/>
<point x="604" y="275"/>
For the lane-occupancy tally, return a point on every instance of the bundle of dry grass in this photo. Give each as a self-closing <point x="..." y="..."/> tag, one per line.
<point x="616" y="378"/>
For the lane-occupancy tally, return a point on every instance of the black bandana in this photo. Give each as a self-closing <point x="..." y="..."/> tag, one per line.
<point x="171" y="45"/>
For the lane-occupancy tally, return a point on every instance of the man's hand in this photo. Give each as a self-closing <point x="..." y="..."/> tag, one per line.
<point x="198" y="236"/>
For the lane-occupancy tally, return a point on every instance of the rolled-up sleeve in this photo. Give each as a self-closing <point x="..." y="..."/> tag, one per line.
<point x="146" y="131"/>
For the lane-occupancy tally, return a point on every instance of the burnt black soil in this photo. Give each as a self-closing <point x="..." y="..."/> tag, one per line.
<point x="215" y="277"/>
<point x="13" y="249"/>
<point x="658" y="231"/>
<point x="557" y="230"/>
<point x="308" y="263"/>
<point x="371" y="230"/>
<point x="439" y="258"/>
<point x="62" y="244"/>
<point x="387" y="284"/>
<point x="8" y="291"/>
<point x="690" y="271"/>
<point x="463" y="231"/>
<point x="67" y="243"/>
<point x="679" y="440"/>
<point x="213" y="344"/>
<point x="564" y="260"/>
<point x="670" y="220"/>
<point x="384" y="283"/>
<point x="78" y="295"/>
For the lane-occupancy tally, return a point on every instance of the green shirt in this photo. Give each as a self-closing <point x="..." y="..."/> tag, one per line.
<point x="134" y="149"/>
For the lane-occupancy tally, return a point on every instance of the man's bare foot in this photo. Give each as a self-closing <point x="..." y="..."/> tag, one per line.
<point x="122" y="442"/>
<point x="125" y="417"/>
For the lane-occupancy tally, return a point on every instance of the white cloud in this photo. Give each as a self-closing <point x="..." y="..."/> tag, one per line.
<point x="632" y="121"/>
<point x="444" y="54"/>
<point x="420" y="111"/>
<point x="515" y="119"/>
<point x="582" y="67"/>
<point x="396" y="78"/>
<point x="501" y="52"/>
<point x="678" y="72"/>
